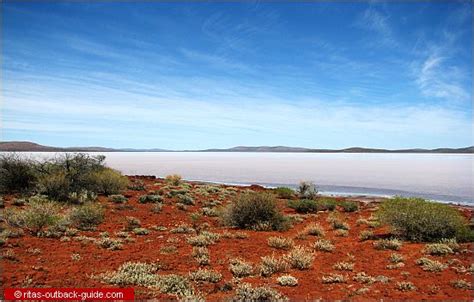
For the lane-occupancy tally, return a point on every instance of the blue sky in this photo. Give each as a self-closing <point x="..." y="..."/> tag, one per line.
<point x="201" y="75"/>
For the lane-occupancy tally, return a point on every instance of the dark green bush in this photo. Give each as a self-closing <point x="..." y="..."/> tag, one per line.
<point x="349" y="206"/>
<point x="326" y="204"/>
<point x="87" y="216"/>
<point x="37" y="216"/>
<point x="284" y="192"/>
<point x="16" y="174"/>
<point x="254" y="211"/>
<point x="107" y="181"/>
<point x="419" y="220"/>
<point x="304" y="205"/>
<point x="150" y="198"/>
<point x="56" y="185"/>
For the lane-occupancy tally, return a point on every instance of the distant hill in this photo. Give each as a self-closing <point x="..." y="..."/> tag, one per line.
<point x="19" y="146"/>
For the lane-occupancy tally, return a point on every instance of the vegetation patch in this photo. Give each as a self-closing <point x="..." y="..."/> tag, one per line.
<point x="280" y="242"/>
<point x="304" y="206"/>
<point x="388" y="244"/>
<point x="419" y="220"/>
<point x="205" y="275"/>
<point x="334" y="278"/>
<point x="249" y="211"/>
<point x="284" y="192"/>
<point x="87" y="216"/>
<point x="431" y="265"/>
<point x="287" y="280"/>
<point x="239" y="268"/>
<point x="300" y="258"/>
<point x="245" y="292"/>
<point x="324" y="245"/>
<point x="271" y="265"/>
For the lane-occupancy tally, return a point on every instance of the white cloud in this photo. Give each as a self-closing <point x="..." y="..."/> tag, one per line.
<point x="436" y="78"/>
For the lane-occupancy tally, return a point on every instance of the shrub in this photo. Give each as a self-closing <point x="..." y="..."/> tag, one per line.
<point x="133" y="273"/>
<point x="201" y="254"/>
<point x="205" y="275"/>
<point x="366" y="235"/>
<point x="16" y="174"/>
<point x="461" y="284"/>
<point x="405" y="286"/>
<point x="109" y="243"/>
<point x="56" y="185"/>
<point x="118" y="198"/>
<point x="251" y="210"/>
<point x="304" y="205"/>
<point x="280" y="242"/>
<point x="344" y="266"/>
<point x="349" y="206"/>
<point x="183" y="229"/>
<point x="388" y="244"/>
<point x="38" y="216"/>
<point x="108" y="181"/>
<point x="87" y="216"/>
<point x="327" y="204"/>
<point x="396" y="258"/>
<point x="136" y="185"/>
<point x="437" y="249"/>
<point x="324" y="245"/>
<point x="284" y="192"/>
<point x="185" y="199"/>
<point x="300" y="258"/>
<point x="203" y="239"/>
<point x="175" y="285"/>
<point x="140" y="231"/>
<point x="287" y="280"/>
<point x="431" y="265"/>
<point x="245" y="292"/>
<point x="150" y="198"/>
<point x="271" y="265"/>
<point x="174" y="180"/>
<point x="314" y="229"/>
<point x="452" y="243"/>
<point x="341" y="233"/>
<point x="419" y="220"/>
<point x="334" y="278"/>
<point x="239" y="268"/>
<point x="307" y="190"/>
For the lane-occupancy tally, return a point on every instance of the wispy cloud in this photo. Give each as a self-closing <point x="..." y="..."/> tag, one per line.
<point x="376" y="21"/>
<point x="438" y="79"/>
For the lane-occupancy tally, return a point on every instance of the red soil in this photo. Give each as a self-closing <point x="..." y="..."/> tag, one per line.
<point x="53" y="266"/>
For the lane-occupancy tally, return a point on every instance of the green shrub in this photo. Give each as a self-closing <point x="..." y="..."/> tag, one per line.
<point x="250" y="210"/>
<point x="437" y="249"/>
<point x="304" y="205"/>
<point x="280" y="242"/>
<point x="56" y="185"/>
<point x="388" y="244"/>
<point x="108" y="181"/>
<point x="205" y="275"/>
<point x="271" y="265"/>
<point x="326" y="204"/>
<point x="174" y="180"/>
<point x="16" y="174"/>
<point x="118" y="198"/>
<point x="87" y="216"/>
<point x="133" y="273"/>
<point x="239" y="268"/>
<point x="287" y="280"/>
<point x="349" y="206"/>
<point x="300" y="258"/>
<point x="419" y="220"/>
<point x="185" y="199"/>
<point x="245" y="293"/>
<point x="38" y="216"/>
<point x="150" y="198"/>
<point x="307" y="190"/>
<point x="284" y="192"/>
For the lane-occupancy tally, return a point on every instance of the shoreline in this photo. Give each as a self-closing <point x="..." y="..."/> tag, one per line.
<point x="363" y="198"/>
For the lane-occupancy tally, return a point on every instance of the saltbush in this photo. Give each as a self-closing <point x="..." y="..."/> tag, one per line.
<point x="108" y="181"/>
<point x="284" y="192"/>
<point x="250" y="210"/>
<point x="307" y="190"/>
<point x="87" y="216"/>
<point x="419" y="220"/>
<point x="349" y="206"/>
<point x="304" y="205"/>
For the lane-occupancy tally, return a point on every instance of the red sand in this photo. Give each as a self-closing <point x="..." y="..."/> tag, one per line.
<point x="53" y="266"/>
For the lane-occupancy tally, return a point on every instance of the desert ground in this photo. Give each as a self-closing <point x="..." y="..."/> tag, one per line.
<point x="329" y="254"/>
